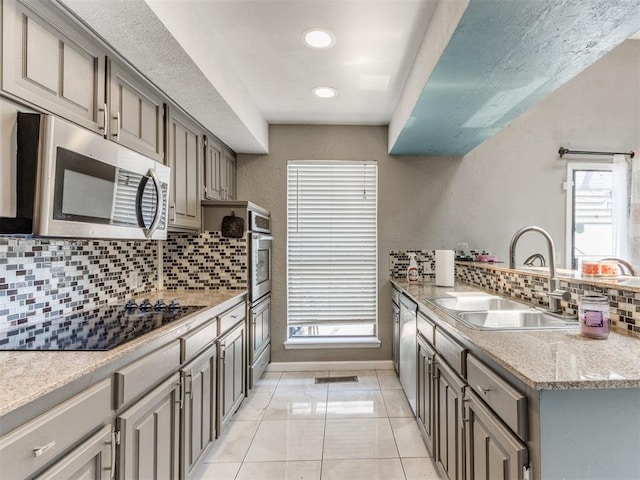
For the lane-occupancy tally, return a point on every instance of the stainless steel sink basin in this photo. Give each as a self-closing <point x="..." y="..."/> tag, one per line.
<point x="492" y="312"/>
<point x="531" y="319"/>
<point x="474" y="303"/>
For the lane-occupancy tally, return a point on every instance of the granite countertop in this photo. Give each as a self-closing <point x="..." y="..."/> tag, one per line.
<point x="28" y="375"/>
<point x="544" y="359"/>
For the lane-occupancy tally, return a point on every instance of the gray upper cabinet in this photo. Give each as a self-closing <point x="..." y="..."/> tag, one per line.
<point x="229" y="175"/>
<point x="219" y="171"/>
<point x="213" y="189"/>
<point x="184" y="155"/>
<point x="136" y="112"/>
<point x="48" y="62"/>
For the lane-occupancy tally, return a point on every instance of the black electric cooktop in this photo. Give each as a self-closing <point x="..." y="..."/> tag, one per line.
<point x="102" y="328"/>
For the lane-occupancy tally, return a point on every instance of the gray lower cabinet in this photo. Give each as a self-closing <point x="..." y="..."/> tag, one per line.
<point x="492" y="452"/>
<point x="149" y="434"/>
<point x="48" y="62"/>
<point x="425" y="408"/>
<point x="395" y="352"/>
<point x="136" y="112"/>
<point x="184" y="156"/>
<point x="449" y="444"/>
<point x="259" y="339"/>
<point x="36" y="444"/>
<point x="94" y="459"/>
<point x="199" y="409"/>
<point x="231" y="373"/>
<point x="472" y="420"/>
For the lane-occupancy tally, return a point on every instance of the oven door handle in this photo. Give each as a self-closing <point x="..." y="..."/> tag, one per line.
<point x="260" y="236"/>
<point x="159" y="202"/>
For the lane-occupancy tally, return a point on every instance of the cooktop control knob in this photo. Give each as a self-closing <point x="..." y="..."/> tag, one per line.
<point x="131" y="305"/>
<point x="160" y="305"/>
<point x="145" y="305"/>
<point x="174" y="305"/>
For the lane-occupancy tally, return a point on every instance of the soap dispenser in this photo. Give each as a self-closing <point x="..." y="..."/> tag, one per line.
<point x="412" y="271"/>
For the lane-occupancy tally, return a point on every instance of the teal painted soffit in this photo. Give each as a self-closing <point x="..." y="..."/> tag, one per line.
<point x="503" y="58"/>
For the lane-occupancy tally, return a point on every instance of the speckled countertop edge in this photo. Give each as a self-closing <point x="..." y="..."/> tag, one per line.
<point x="543" y="359"/>
<point x="28" y="375"/>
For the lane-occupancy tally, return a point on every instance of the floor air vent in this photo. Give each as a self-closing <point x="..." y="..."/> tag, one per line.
<point x="336" y="379"/>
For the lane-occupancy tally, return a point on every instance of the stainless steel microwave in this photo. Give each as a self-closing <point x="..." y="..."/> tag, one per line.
<point x="74" y="183"/>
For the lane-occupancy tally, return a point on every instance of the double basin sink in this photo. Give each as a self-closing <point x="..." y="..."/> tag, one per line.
<point x="489" y="312"/>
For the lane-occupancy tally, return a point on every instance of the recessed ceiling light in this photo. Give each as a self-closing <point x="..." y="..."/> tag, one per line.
<point x="325" y="92"/>
<point x="318" y="38"/>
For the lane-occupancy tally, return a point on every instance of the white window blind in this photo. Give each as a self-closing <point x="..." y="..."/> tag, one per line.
<point x="332" y="248"/>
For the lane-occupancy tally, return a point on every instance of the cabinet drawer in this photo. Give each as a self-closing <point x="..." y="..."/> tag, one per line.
<point x="395" y="296"/>
<point x="453" y="353"/>
<point x="33" y="445"/>
<point x="193" y="342"/>
<point x="426" y="327"/>
<point x="232" y="317"/>
<point x="506" y="401"/>
<point x="145" y="373"/>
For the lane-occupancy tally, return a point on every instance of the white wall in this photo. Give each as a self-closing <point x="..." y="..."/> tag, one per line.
<point x="511" y="180"/>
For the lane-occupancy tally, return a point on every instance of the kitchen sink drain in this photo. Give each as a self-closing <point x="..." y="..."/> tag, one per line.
<point x="336" y="379"/>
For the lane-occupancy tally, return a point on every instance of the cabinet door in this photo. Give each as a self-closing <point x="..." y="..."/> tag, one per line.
<point x="150" y="436"/>
<point x="426" y="398"/>
<point x="492" y="452"/>
<point x="49" y="61"/>
<point x="199" y="412"/>
<point x="184" y="155"/>
<point x="231" y="378"/>
<point x="93" y="460"/>
<point x="396" y="338"/>
<point x="229" y="176"/>
<point x="213" y="170"/>
<point x="136" y="113"/>
<point x="260" y="328"/>
<point x="449" y="420"/>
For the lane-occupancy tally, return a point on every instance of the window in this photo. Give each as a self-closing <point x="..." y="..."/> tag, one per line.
<point x="596" y="212"/>
<point x="332" y="250"/>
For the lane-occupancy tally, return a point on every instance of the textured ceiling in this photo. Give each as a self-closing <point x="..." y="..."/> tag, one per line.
<point x="445" y="75"/>
<point x="503" y="58"/>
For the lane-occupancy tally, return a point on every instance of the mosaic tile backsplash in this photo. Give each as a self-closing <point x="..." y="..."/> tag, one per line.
<point x="41" y="278"/>
<point x="399" y="262"/>
<point x="205" y="261"/>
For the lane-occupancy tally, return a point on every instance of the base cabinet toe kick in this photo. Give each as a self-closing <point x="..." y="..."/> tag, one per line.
<point x="156" y="416"/>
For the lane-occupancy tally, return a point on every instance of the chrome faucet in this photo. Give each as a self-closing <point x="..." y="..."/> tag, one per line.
<point x="536" y="256"/>
<point x="555" y="294"/>
<point x="622" y="264"/>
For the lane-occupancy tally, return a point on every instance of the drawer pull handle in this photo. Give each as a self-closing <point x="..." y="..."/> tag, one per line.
<point x="483" y="391"/>
<point x="42" y="450"/>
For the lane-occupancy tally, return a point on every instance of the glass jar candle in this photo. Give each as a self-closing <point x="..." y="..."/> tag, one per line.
<point x="593" y="314"/>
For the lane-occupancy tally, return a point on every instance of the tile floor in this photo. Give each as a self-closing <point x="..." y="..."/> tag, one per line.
<point x="290" y="428"/>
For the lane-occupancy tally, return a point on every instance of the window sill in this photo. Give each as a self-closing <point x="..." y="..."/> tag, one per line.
<point x="343" y="342"/>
